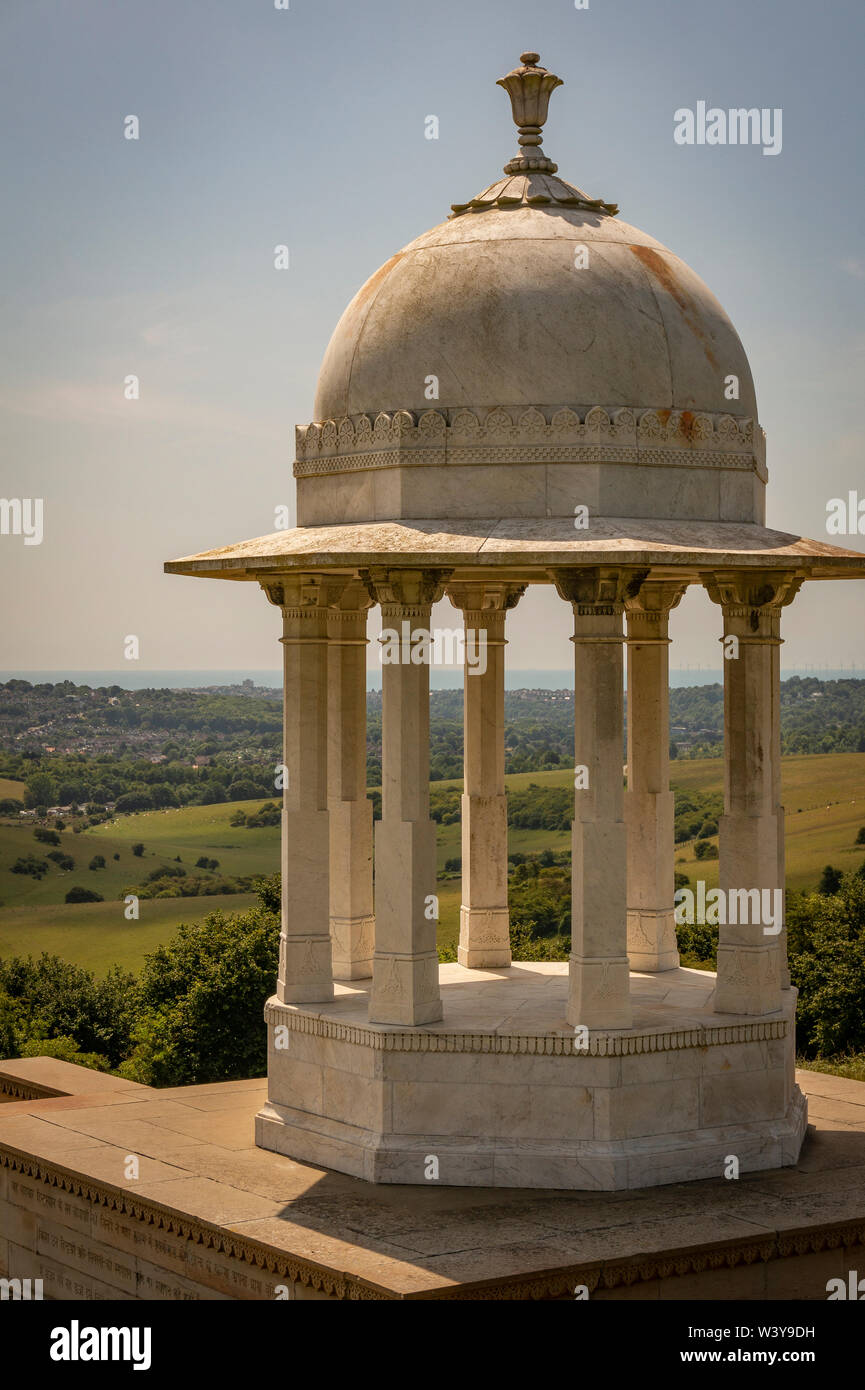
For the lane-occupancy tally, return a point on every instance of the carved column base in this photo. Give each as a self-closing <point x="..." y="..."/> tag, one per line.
<point x="304" y="970"/>
<point x="652" y="940"/>
<point x="484" y="938"/>
<point x="405" y="989"/>
<point x="405" y="981"/>
<point x="353" y="941"/>
<point x="598" y="996"/>
<point x="749" y="980"/>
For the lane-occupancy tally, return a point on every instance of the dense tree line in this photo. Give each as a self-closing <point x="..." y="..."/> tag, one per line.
<point x="817" y="716"/>
<point x="193" y="1014"/>
<point x="202" y="748"/>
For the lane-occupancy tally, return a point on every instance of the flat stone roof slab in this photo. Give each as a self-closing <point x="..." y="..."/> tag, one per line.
<point x="202" y="1179"/>
<point x="528" y="544"/>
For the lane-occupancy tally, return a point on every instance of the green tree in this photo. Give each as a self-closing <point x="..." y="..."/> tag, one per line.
<point x="163" y="795"/>
<point x="828" y="968"/>
<point x="705" y="849"/>
<point x="244" y="789"/>
<point x="40" y="790"/>
<point x="202" y="1000"/>
<point x="30" y="864"/>
<point x="134" y="801"/>
<point x="63" y="861"/>
<point x="50" y="998"/>
<point x="830" y="880"/>
<point x="67" y="1050"/>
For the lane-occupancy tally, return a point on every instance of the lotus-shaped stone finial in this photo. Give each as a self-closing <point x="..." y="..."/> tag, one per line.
<point x="529" y="89"/>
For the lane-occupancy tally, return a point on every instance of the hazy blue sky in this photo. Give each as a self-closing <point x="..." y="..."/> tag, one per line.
<point x="306" y="127"/>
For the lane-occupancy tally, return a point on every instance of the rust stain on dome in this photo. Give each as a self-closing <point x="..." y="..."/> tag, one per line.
<point x="661" y="270"/>
<point x="374" y="282"/>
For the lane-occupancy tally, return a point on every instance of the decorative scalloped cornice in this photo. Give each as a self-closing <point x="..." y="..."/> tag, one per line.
<point x="522" y="1044"/>
<point x="533" y="434"/>
<point x="27" y="1090"/>
<point x="533" y="190"/>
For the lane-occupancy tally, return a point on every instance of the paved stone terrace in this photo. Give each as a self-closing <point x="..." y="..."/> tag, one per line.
<point x="530" y="997"/>
<point x="204" y="1186"/>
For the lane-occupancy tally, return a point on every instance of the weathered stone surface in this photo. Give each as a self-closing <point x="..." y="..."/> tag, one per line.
<point x="501" y="1094"/>
<point x="488" y="547"/>
<point x="326" y="1235"/>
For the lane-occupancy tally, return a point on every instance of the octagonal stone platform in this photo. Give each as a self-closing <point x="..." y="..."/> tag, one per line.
<point x="500" y="1093"/>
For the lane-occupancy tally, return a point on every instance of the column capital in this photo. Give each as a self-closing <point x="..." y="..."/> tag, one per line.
<point x="405" y="588"/>
<point x="355" y="598"/>
<point x="752" y="598"/>
<point x="656" y="598"/>
<point x="598" y="589"/>
<point x="346" y="620"/>
<point x="648" y="611"/>
<point x="305" y="595"/>
<point x="485" y="599"/>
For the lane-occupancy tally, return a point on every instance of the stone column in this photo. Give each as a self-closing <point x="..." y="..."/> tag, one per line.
<point x="304" y="944"/>
<point x="780" y="815"/>
<point x="649" y="803"/>
<point x="405" y="986"/>
<point x="484" y="935"/>
<point x="751" y="829"/>
<point x="352" y="923"/>
<point x="599" y="979"/>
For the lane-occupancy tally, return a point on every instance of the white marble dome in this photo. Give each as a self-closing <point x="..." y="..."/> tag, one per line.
<point x="532" y="353"/>
<point x="491" y="303"/>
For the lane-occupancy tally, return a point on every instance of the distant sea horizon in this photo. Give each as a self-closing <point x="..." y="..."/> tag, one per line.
<point x="440" y="679"/>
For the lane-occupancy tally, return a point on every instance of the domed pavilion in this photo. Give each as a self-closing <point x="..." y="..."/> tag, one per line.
<point x="533" y="392"/>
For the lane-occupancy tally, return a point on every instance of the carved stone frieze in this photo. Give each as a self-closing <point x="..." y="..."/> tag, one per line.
<point x="601" y="587"/>
<point x="305" y="595"/>
<point x="533" y="434"/>
<point x="486" y="600"/>
<point x="600" y="1043"/>
<point x="751" y="600"/>
<point x="411" y="589"/>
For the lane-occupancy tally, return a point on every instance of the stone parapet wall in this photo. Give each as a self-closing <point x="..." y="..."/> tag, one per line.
<point x="88" y="1241"/>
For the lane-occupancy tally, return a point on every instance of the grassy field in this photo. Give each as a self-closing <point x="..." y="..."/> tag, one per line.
<point x="824" y="796"/>
<point x="190" y="832"/>
<point x="35" y="918"/>
<point x="11" y="789"/>
<point x="97" y="935"/>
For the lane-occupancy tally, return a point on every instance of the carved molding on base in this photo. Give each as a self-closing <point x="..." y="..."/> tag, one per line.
<point x="530" y="434"/>
<point x="600" y="1043"/>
